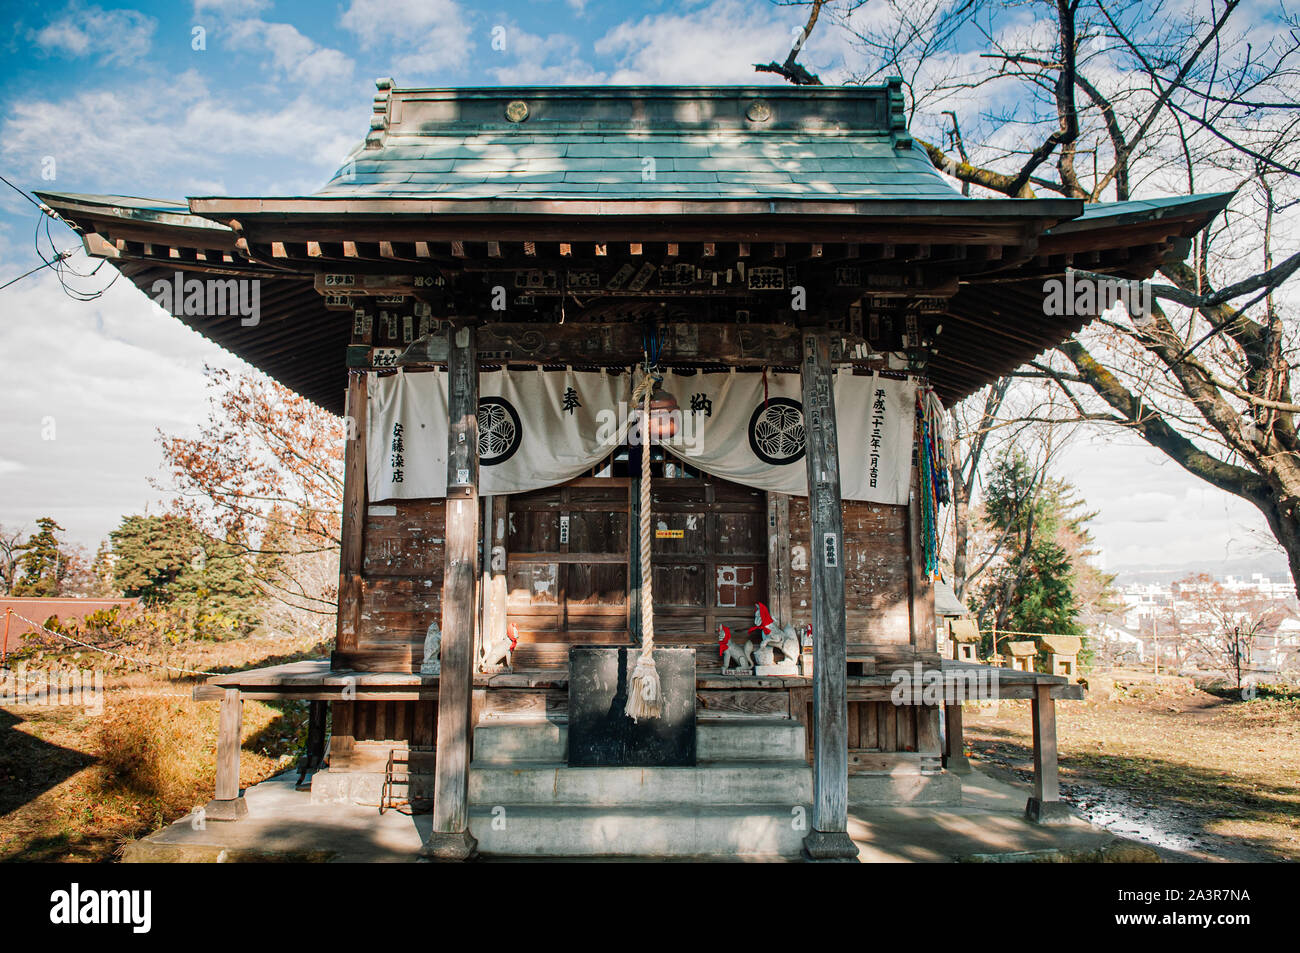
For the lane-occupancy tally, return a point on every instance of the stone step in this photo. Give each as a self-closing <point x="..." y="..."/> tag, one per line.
<point x="739" y="739"/>
<point x="552" y="783"/>
<point x="717" y="832"/>
<point x="503" y="741"/>
<point x="750" y="739"/>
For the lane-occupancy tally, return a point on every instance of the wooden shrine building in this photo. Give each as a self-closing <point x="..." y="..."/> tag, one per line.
<point x="480" y="288"/>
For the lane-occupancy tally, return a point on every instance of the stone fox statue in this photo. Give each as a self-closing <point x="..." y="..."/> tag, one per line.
<point x="732" y="652"/>
<point x="780" y="637"/>
<point x="432" y="664"/>
<point x="502" y="652"/>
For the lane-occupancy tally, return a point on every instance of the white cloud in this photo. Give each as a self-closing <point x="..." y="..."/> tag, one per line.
<point x="230" y="7"/>
<point x="554" y="59"/>
<point x="418" y="36"/>
<point x="104" y="375"/>
<point x="718" y="43"/>
<point x="117" y="36"/>
<point x="293" y="55"/>
<point x="1151" y="513"/>
<point x="164" y="139"/>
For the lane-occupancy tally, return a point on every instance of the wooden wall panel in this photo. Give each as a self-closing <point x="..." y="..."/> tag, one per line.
<point x="876" y="571"/>
<point x="401" y="588"/>
<point x="406" y="722"/>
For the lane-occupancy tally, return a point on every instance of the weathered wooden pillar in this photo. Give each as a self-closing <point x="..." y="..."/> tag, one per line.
<point x="495" y="534"/>
<point x="954" y="749"/>
<point x="228" y="805"/>
<point x="315" y="754"/>
<point x="353" y="525"/>
<point x="450" y="838"/>
<point x="778" y="557"/>
<point x="828" y="837"/>
<point x="1045" y="805"/>
<point x="929" y="744"/>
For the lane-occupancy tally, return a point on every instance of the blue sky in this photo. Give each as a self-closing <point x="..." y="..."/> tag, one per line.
<point x="113" y="98"/>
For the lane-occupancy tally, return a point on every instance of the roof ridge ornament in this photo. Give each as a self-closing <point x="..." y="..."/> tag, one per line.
<point x="379" y="121"/>
<point x="896" y="103"/>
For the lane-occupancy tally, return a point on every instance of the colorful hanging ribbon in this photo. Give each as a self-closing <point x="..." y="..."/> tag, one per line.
<point x="933" y="462"/>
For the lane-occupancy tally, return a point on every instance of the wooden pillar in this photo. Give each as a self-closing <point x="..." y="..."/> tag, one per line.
<point x="828" y="837"/>
<point x="954" y="750"/>
<point x="315" y="754"/>
<point x="929" y="744"/>
<point x="778" y="557"/>
<point x="228" y="805"/>
<point x="354" y="519"/>
<point x="1045" y="805"/>
<point x="496" y="531"/>
<point x="450" y="838"/>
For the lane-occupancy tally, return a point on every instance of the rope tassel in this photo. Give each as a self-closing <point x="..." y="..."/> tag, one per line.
<point x="645" y="694"/>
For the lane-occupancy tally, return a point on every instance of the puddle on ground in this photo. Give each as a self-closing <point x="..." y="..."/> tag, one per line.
<point x="1169" y="829"/>
<point x="1173" y="829"/>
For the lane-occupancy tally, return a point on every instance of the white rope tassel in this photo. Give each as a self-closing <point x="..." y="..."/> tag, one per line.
<point x="644" y="694"/>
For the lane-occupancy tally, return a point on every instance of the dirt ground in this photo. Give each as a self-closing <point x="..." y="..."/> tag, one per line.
<point x="1201" y="776"/>
<point x="76" y="783"/>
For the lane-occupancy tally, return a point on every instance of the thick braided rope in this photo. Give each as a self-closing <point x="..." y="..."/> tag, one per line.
<point x="647" y="575"/>
<point x="645" y="696"/>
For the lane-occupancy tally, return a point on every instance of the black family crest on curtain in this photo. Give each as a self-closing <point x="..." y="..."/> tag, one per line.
<point x="499" y="430"/>
<point x="776" y="431"/>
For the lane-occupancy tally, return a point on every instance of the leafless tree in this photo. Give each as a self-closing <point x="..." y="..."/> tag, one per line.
<point x="10" y="541"/>
<point x="1225" y="625"/>
<point x="1130" y="99"/>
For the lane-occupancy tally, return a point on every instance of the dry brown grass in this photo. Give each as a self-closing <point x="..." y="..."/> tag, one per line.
<point x="75" y="785"/>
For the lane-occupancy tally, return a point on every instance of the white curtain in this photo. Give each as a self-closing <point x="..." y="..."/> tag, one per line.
<point x="539" y="429"/>
<point x="536" y="428"/>
<point x="734" y="428"/>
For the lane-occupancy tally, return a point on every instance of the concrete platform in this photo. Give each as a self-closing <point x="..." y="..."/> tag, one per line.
<point x="505" y="741"/>
<point x="988" y="827"/>
<point x="284" y="825"/>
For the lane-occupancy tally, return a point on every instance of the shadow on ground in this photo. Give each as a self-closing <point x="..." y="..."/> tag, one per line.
<point x="1169" y="805"/>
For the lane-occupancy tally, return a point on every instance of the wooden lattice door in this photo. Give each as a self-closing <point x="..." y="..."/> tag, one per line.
<point x="567" y="569"/>
<point x="710" y="561"/>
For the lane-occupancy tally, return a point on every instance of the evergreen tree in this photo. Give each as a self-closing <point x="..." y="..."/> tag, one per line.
<point x="150" y="553"/>
<point x="1033" y="588"/>
<point x="166" y="560"/>
<point x="217" y="583"/>
<point x="43" y="563"/>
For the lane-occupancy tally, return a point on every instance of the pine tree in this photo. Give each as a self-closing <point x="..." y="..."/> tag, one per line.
<point x="43" y="563"/>
<point x="166" y="560"/>
<point x="149" y="555"/>
<point x="218" y="585"/>
<point x="1033" y="588"/>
